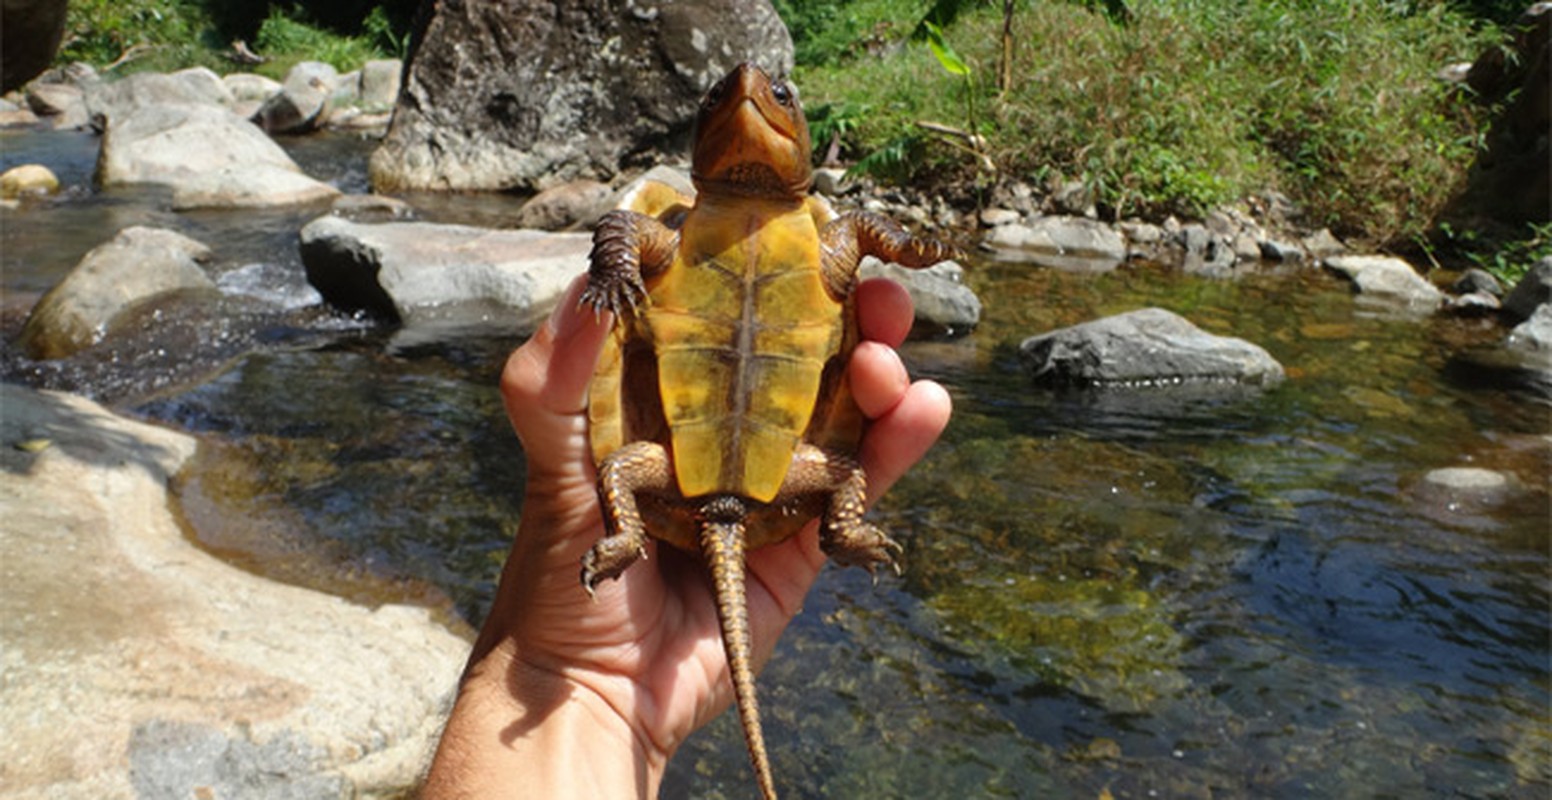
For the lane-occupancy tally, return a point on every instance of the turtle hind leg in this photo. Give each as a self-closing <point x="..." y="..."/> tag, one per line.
<point x="844" y="535"/>
<point x="636" y="467"/>
<point x="723" y="542"/>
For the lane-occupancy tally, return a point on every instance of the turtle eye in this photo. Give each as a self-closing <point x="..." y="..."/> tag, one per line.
<point x="782" y="92"/>
<point x="714" y="94"/>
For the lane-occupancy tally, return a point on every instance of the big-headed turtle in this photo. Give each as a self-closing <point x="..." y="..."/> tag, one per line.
<point x="720" y="418"/>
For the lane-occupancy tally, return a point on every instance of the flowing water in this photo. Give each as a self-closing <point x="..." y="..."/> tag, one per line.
<point x="1166" y="594"/>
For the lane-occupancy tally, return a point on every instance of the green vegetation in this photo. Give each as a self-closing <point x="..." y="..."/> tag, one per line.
<point x="1172" y="107"/>
<point x="136" y="35"/>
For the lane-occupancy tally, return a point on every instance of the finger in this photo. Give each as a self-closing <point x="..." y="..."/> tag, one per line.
<point x="552" y="369"/>
<point x="898" y="439"/>
<point x="884" y="311"/>
<point x="878" y="378"/>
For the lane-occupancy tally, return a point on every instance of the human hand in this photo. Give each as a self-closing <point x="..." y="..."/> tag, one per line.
<point x="557" y="678"/>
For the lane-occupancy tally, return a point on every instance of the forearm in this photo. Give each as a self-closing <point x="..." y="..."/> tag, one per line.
<point x="518" y="732"/>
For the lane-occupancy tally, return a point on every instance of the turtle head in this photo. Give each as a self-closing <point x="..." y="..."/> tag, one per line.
<point x="751" y="137"/>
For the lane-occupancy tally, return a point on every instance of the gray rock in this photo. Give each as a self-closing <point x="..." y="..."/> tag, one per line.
<point x="1532" y="292"/>
<point x="1477" y="280"/>
<point x="996" y="217"/>
<point x="180" y="675"/>
<point x="1467" y="478"/>
<point x="1073" y="198"/>
<point x="1280" y="251"/>
<point x="1533" y="337"/>
<point x="443" y="278"/>
<point x="1207" y="254"/>
<point x="137" y="264"/>
<point x="207" y="156"/>
<point x="248" y="87"/>
<point x="1322" y="244"/>
<point x="1063" y="242"/>
<point x="372" y="208"/>
<point x="1149" y="347"/>
<point x="576" y="202"/>
<point x="107" y="102"/>
<point x="347" y="92"/>
<point x="1473" y="304"/>
<point x="831" y="181"/>
<point x="1388" y="278"/>
<point x="303" y="103"/>
<point x="205" y="85"/>
<point x="506" y="96"/>
<point x="380" y="83"/>
<point x="944" y="304"/>
<point x="64" y="104"/>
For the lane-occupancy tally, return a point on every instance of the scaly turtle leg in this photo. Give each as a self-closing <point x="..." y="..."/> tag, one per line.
<point x="636" y="467"/>
<point x="849" y="237"/>
<point x="843" y="535"/>
<point x="628" y="247"/>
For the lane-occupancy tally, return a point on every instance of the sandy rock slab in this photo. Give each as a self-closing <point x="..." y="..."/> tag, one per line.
<point x="133" y="664"/>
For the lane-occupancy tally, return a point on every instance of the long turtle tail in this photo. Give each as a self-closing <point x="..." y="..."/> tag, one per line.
<point x="722" y="542"/>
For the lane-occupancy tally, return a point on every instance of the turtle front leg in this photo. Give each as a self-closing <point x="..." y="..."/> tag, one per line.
<point x="843" y="534"/>
<point x="628" y="248"/>
<point x="849" y="237"/>
<point x="636" y="467"/>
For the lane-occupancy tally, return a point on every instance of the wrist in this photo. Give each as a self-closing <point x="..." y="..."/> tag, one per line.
<point x="518" y="730"/>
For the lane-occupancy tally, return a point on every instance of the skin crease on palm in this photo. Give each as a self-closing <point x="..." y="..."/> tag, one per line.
<point x="641" y="667"/>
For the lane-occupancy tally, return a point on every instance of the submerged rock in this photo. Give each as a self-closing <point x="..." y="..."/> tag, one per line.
<point x="182" y="676"/>
<point x="137" y="264"/>
<point x="1149" y="347"/>
<point x="208" y="156"/>
<point x="442" y="276"/>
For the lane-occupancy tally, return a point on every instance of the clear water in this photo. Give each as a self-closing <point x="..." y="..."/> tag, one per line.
<point x="1154" y="595"/>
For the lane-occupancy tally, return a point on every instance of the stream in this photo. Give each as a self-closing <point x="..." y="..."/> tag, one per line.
<point x="1159" y="594"/>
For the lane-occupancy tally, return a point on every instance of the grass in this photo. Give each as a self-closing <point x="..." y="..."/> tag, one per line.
<point x="166" y="35"/>
<point x="1186" y="105"/>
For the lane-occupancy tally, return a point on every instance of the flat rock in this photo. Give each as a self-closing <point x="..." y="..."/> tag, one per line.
<point x="1075" y="243"/>
<point x="431" y="275"/>
<point x="208" y="156"/>
<point x="1148" y="347"/>
<point x="180" y="675"/>
<point x="137" y="264"/>
<point x="944" y="304"/>
<point x="1387" y="278"/>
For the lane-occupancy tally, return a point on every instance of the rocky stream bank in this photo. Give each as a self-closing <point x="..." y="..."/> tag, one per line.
<point x="202" y="675"/>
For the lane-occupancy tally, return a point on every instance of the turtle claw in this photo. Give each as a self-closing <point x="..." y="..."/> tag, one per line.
<point x="610" y="557"/>
<point x="863" y="545"/>
<point x="618" y="294"/>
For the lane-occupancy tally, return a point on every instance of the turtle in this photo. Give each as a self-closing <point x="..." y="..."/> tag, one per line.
<point x="719" y="415"/>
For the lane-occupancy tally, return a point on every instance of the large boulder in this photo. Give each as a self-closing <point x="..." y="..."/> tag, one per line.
<point x="107" y="102"/>
<point x="1148" y="347"/>
<point x="524" y="94"/>
<point x="30" y="32"/>
<point x="440" y="277"/>
<point x="208" y="156"/>
<point x="137" y="264"/>
<point x="138" y="665"/>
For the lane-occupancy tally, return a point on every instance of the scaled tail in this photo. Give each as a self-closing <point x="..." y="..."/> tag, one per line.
<point x="722" y="542"/>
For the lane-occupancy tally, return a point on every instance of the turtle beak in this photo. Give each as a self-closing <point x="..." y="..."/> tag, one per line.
<point x="749" y="121"/>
